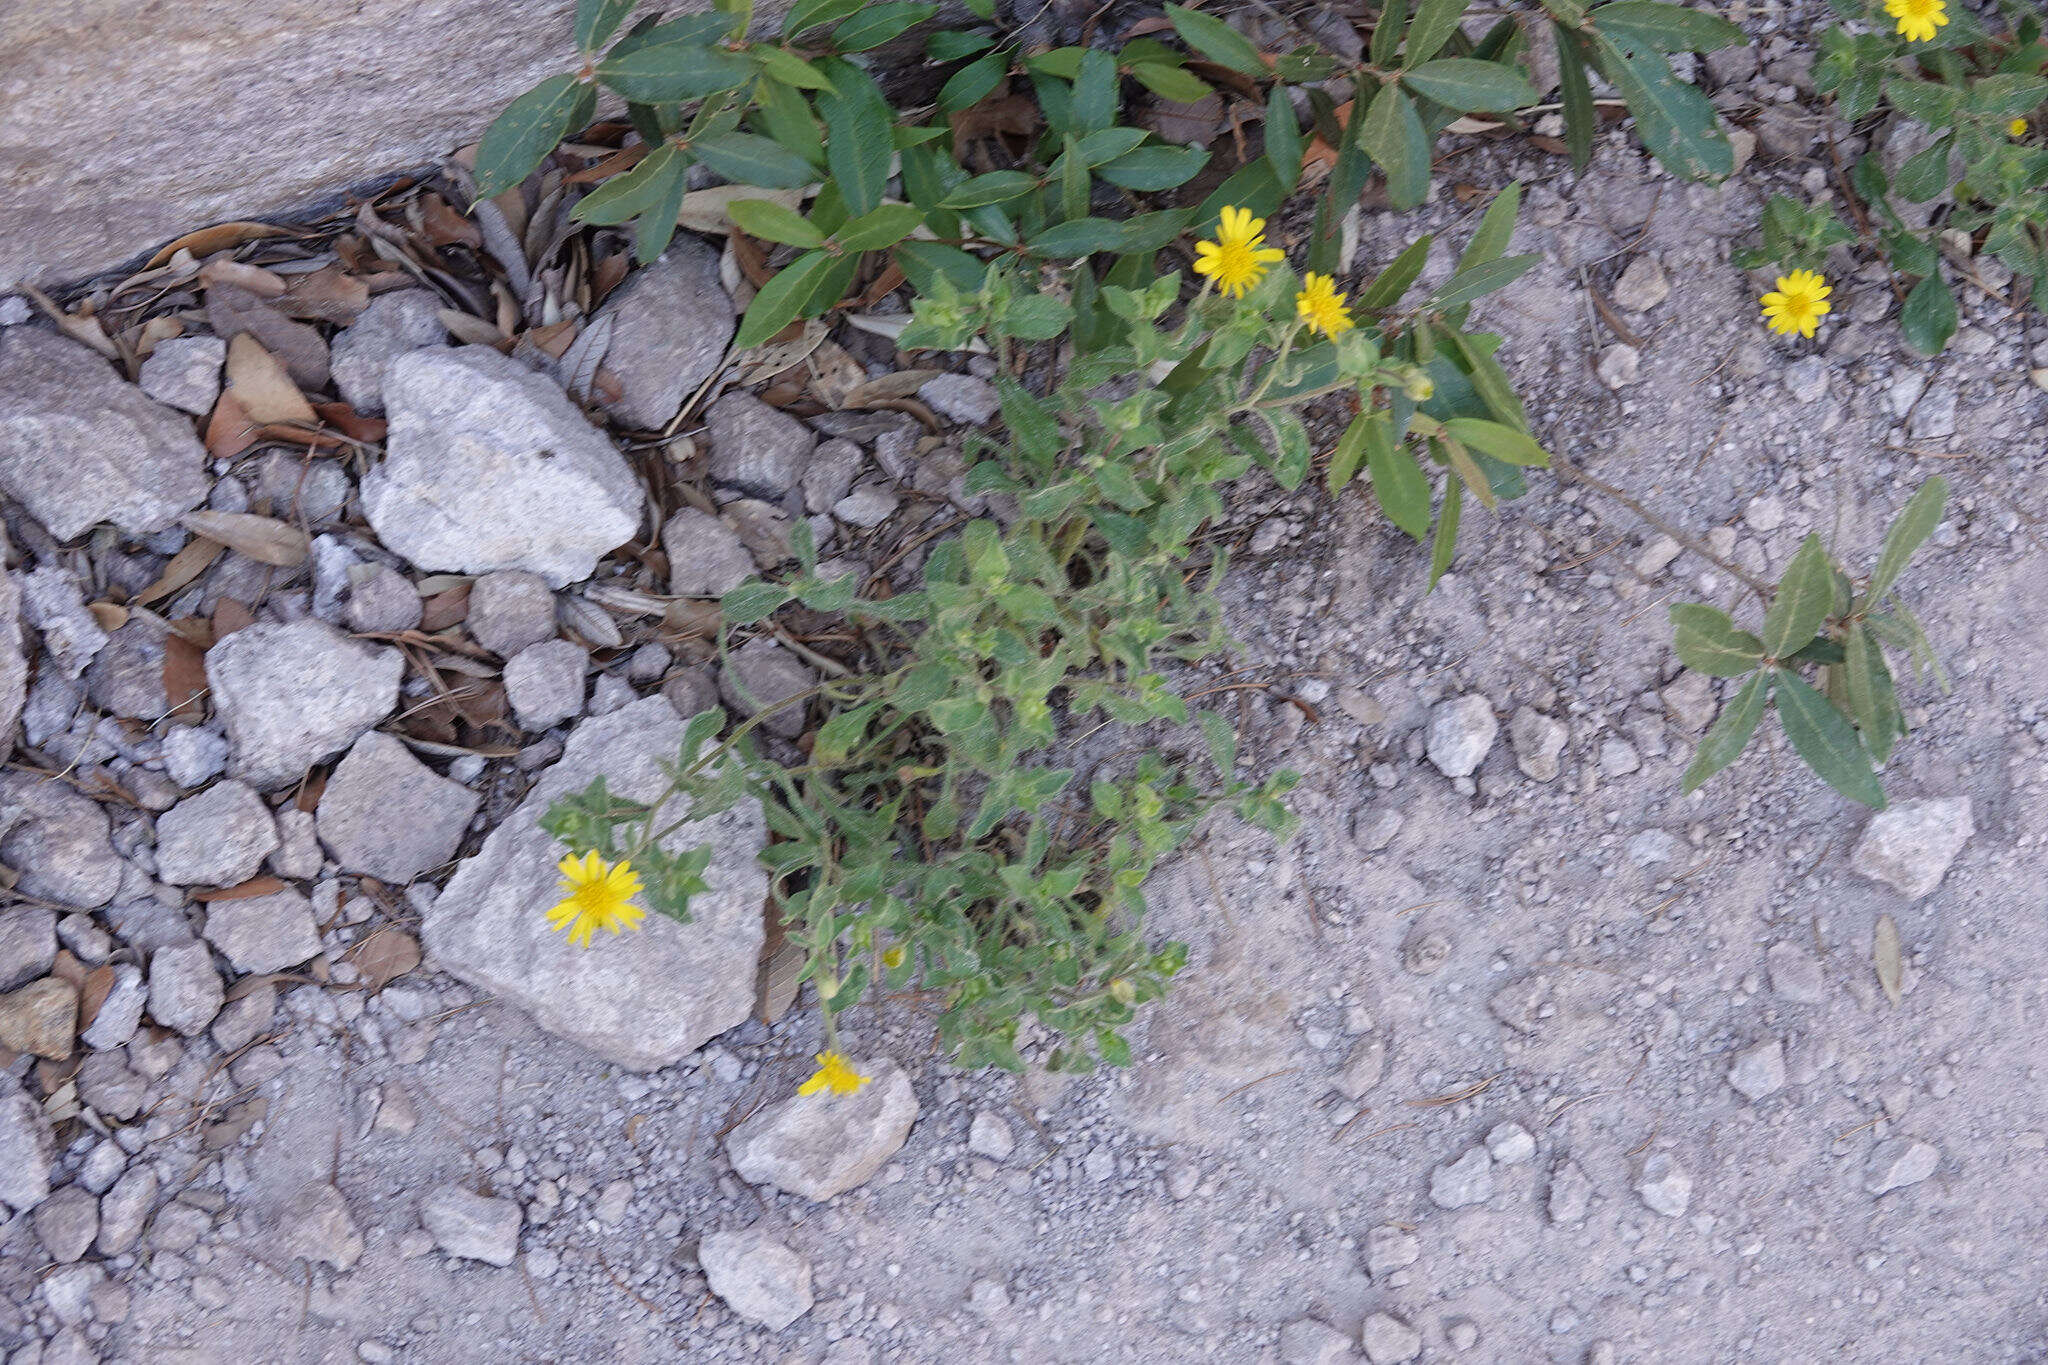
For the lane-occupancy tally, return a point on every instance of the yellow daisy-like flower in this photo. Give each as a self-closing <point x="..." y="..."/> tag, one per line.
<point x="1238" y="258"/>
<point x="2017" y="128"/>
<point x="1918" y="19"/>
<point x="1798" y="303"/>
<point x="835" y="1074"/>
<point x="1321" y="306"/>
<point x="596" y="895"/>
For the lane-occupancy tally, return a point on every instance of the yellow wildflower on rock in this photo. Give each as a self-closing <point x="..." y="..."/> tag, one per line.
<point x="1918" y="19"/>
<point x="596" y="895"/>
<point x="835" y="1074"/>
<point x="1321" y="306"/>
<point x="1239" y="256"/>
<point x="1798" y="303"/>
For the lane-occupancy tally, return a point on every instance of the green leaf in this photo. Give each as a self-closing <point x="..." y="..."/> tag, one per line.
<point x="1482" y="279"/>
<point x="1929" y="317"/>
<point x="1291" y="454"/>
<point x="1155" y="167"/>
<point x="749" y="159"/>
<point x="1349" y="453"/>
<point x="598" y="20"/>
<point x="1729" y="735"/>
<point x="667" y="73"/>
<point x="785" y="66"/>
<point x="1708" y="642"/>
<point x="1171" y="82"/>
<point x="772" y="222"/>
<point x="1398" y="483"/>
<point x="858" y="146"/>
<point x="1221" y="738"/>
<point x="996" y="187"/>
<point x="1034" y="426"/>
<point x="1502" y="442"/>
<point x="1446" y="545"/>
<point x="1915" y="522"/>
<point x="1926" y="172"/>
<point x="1284" y="145"/>
<point x="1825" y="739"/>
<point x="882" y="227"/>
<point x="972" y="83"/>
<point x="1472" y="87"/>
<point x="877" y="24"/>
<point x="1392" y="135"/>
<point x="1806" y="594"/>
<point x="1581" y="116"/>
<point x="1674" y="120"/>
<point x="1216" y="40"/>
<point x="952" y="44"/>
<point x="1387" y="30"/>
<point x="1392" y="283"/>
<point x="1867" y="684"/>
<point x="1434" y="22"/>
<point x="1650" y="26"/>
<point x="753" y="600"/>
<point x="658" y="222"/>
<point x="519" y="139"/>
<point x="1035" y="317"/>
<point x="1496" y="227"/>
<point x="807" y="14"/>
<point x="784" y="299"/>
<point x="635" y="192"/>
<point x="1080" y="237"/>
<point x="1095" y="97"/>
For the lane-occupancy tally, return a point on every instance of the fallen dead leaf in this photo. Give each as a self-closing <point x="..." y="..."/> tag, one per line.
<point x="329" y="294"/>
<point x="219" y="237"/>
<point x="229" y="431"/>
<point x="256" y="886"/>
<point x="111" y="616"/>
<point x="383" y="957"/>
<point x="1890" y="962"/>
<point x="185" y="566"/>
<point x="230" y="616"/>
<point x="444" y="226"/>
<point x="261" y="385"/>
<point x="184" y="679"/>
<point x="351" y="423"/>
<point x="93" y="994"/>
<point x="231" y="310"/>
<point x="254" y="278"/>
<point x="706" y="210"/>
<point x="264" y="539"/>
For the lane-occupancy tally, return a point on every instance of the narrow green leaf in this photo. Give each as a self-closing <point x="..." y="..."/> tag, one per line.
<point x="808" y="14"/>
<point x="1392" y="283"/>
<point x="657" y="223"/>
<point x="883" y="227"/>
<point x="1910" y="529"/>
<point x="1349" y="453"/>
<point x="772" y="222"/>
<point x="1221" y="739"/>
<point x="1472" y="87"/>
<point x="1674" y="120"/>
<point x="1446" y="545"/>
<point x="1729" y="735"/>
<point x="784" y="298"/>
<point x="783" y="65"/>
<point x="877" y="24"/>
<point x="1826" y="740"/>
<point x="1873" y="701"/>
<point x="1392" y="135"/>
<point x="858" y="146"/>
<point x="1155" y="168"/>
<point x="952" y="44"/>
<point x="1434" y="22"/>
<point x="1081" y="237"/>
<point x="520" y="138"/>
<point x="1805" y="596"/>
<point x="1284" y="143"/>
<point x="598" y="20"/>
<point x="1650" y="26"/>
<point x="972" y="83"/>
<point x="635" y="192"/>
<point x="1496" y="227"/>
<point x="1929" y="317"/>
<point x="1171" y="82"/>
<point x="668" y="73"/>
<point x="1398" y="483"/>
<point x="1094" y="105"/>
<point x="995" y="187"/>
<point x="753" y="600"/>
<point x="1387" y="31"/>
<point x="1482" y="279"/>
<point x="1581" y="116"/>
<point x="749" y="159"/>
<point x="1502" y="442"/>
<point x="1708" y="642"/>
<point x="1216" y="40"/>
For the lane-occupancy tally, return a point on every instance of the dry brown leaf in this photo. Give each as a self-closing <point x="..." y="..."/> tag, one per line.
<point x="232" y="310"/>
<point x="110" y="615"/>
<point x="229" y="431"/>
<point x="265" y="885"/>
<point x="383" y="957"/>
<point x="80" y="326"/>
<point x="444" y="226"/>
<point x="185" y="566"/>
<point x="254" y="278"/>
<point x="467" y="327"/>
<point x="263" y="388"/>
<point x="351" y="423"/>
<point x="219" y="237"/>
<point x="1891" y="963"/>
<point x="329" y="294"/>
<point x="230" y="616"/>
<point x="445" y="609"/>
<point x="99" y="983"/>
<point x="184" y="679"/>
<point x="157" y="329"/>
<point x="264" y="539"/>
<point x="553" y="339"/>
<point x="781" y="960"/>
<point x="618" y="163"/>
<point x="706" y="210"/>
<point x="901" y="384"/>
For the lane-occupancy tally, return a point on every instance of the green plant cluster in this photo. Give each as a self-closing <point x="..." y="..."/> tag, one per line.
<point x="1978" y="94"/>
<point x="1818" y="616"/>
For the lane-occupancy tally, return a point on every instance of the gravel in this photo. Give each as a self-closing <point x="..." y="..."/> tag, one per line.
<point x="184" y="373"/>
<point x="1664" y="1185"/>
<point x="670" y="324"/>
<point x="756" y="448"/>
<point x="1898" y="1162"/>
<point x="705" y="556"/>
<point x="1461" y="733"/>
<point x="24" y="1150"/>
<point x="511" y="610"/>
<point x="1759" y="1070"/>
<point x="760" y="673"/>
<point x="471" y="1226"/>
<point x="1468" y="1179"/>
<point x="58" y="840"/>
<point x="545" y="683"/>
<point x="184" y="989"/>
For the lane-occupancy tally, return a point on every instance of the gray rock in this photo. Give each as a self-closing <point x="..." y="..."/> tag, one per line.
<point x="58" y="840"/>
<point x="28" y="944"/>
<point x="394" y="323"/>
<point x="53" y="602"/>
<point x="1510" y="1144"/>
<point x="1571" y="1193"/>
<point x="290" y="695"/>
<point x="1363" y="1069"/>
<point x="705" y="556"/>
<point x="112" y="1088"/>
<point x="472" y="1226"/>
<point x="25" y="1151"/>
<point x="1806" y="379"/>
<point x="511" y="610"/>
<point x="1618" y="757"/>
<point x="962" y="398"/>
<point x="127" y="673"/>
<point x="1467" y="1180"/>
<point x="1538" y="742"/>
<point x="194" y="754"/>
<point x="759" y="1278"/>
<point x="1388" y="1340"/>
<point x="217" y="838"/>
<point x="756" y="448"/>
<point x="67" y="1222"/>
<point x="1619" y="365"/>
<point x="1759" y="1070"/>
<point x="184" y="373"/>
<point x="1795" y="974"/>
<point x="990" y="1136"/>
<point x="643" y="999"/>
<point x="761" y="673"/>
<point x="1664" y="1185"/>
<point x="79" y="445"/>
<point x="1642" y="286"/>
<point x="264" y="933"/>
<point x="316" y="1226"/>
<point x="867" y="506"/>
<point x="1388" y="1248"/>
<point x="298" y="854"/>
<point x="295" y="488"/>
<point x="1689" y="701"/>
<point x="184" y="989"/>
<point x="381" y="599"/>
<point x="670" y="323"/>
<point x="121" y="1012"/>
<point x="829" y="476"/>
<point x="1910" y="844"/>
<point x="545" y="683"/>
<point x="1898" y="1162"/>
<point x="824" y="1144"/>
<point x="125" y="1209"/>
<point x="1934" y="416"/>
<point x="690" y="691"/>
<point x="388" y="814"/>
<point x="245" y="1018"/>
<point x="1461" y="731"/>
<point x="488" y="466"/>
<point x="13" y="659"/>
<point x="1308" y="1342"/>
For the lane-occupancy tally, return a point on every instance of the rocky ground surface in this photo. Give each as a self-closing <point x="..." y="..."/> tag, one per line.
<point x="1514" y="1054"/>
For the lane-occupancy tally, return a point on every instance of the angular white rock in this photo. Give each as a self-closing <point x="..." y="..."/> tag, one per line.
<point x="824" y="1144"/>
<point x="290" y="695"/>
<point x="760" y="1278"/>
<point x="1910" y="844"/>
<point x="1461" y="731"/>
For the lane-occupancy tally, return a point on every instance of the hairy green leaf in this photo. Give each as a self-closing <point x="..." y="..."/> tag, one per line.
<point x="1729" y="735"/>
<point x="1805" y="597"/>
<point x="1826" y="740"/>
<point x="1708" y="642"/>
<point x="1916" y="521"/>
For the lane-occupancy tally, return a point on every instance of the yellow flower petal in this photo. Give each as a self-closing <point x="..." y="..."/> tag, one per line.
<point x="595" y="895"/>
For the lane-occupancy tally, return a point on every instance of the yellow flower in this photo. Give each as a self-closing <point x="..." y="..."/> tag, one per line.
<point x="1321" y="306"/>
<point x="2017" y="128"/>
<point x="834" y="1073"/>
<point x="596" y="895"/>
<point x="1918" y="19"/>
<point x="892" y="957"/>
<point x="1238" y="258"/>
<point x="1798" y="303"/>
